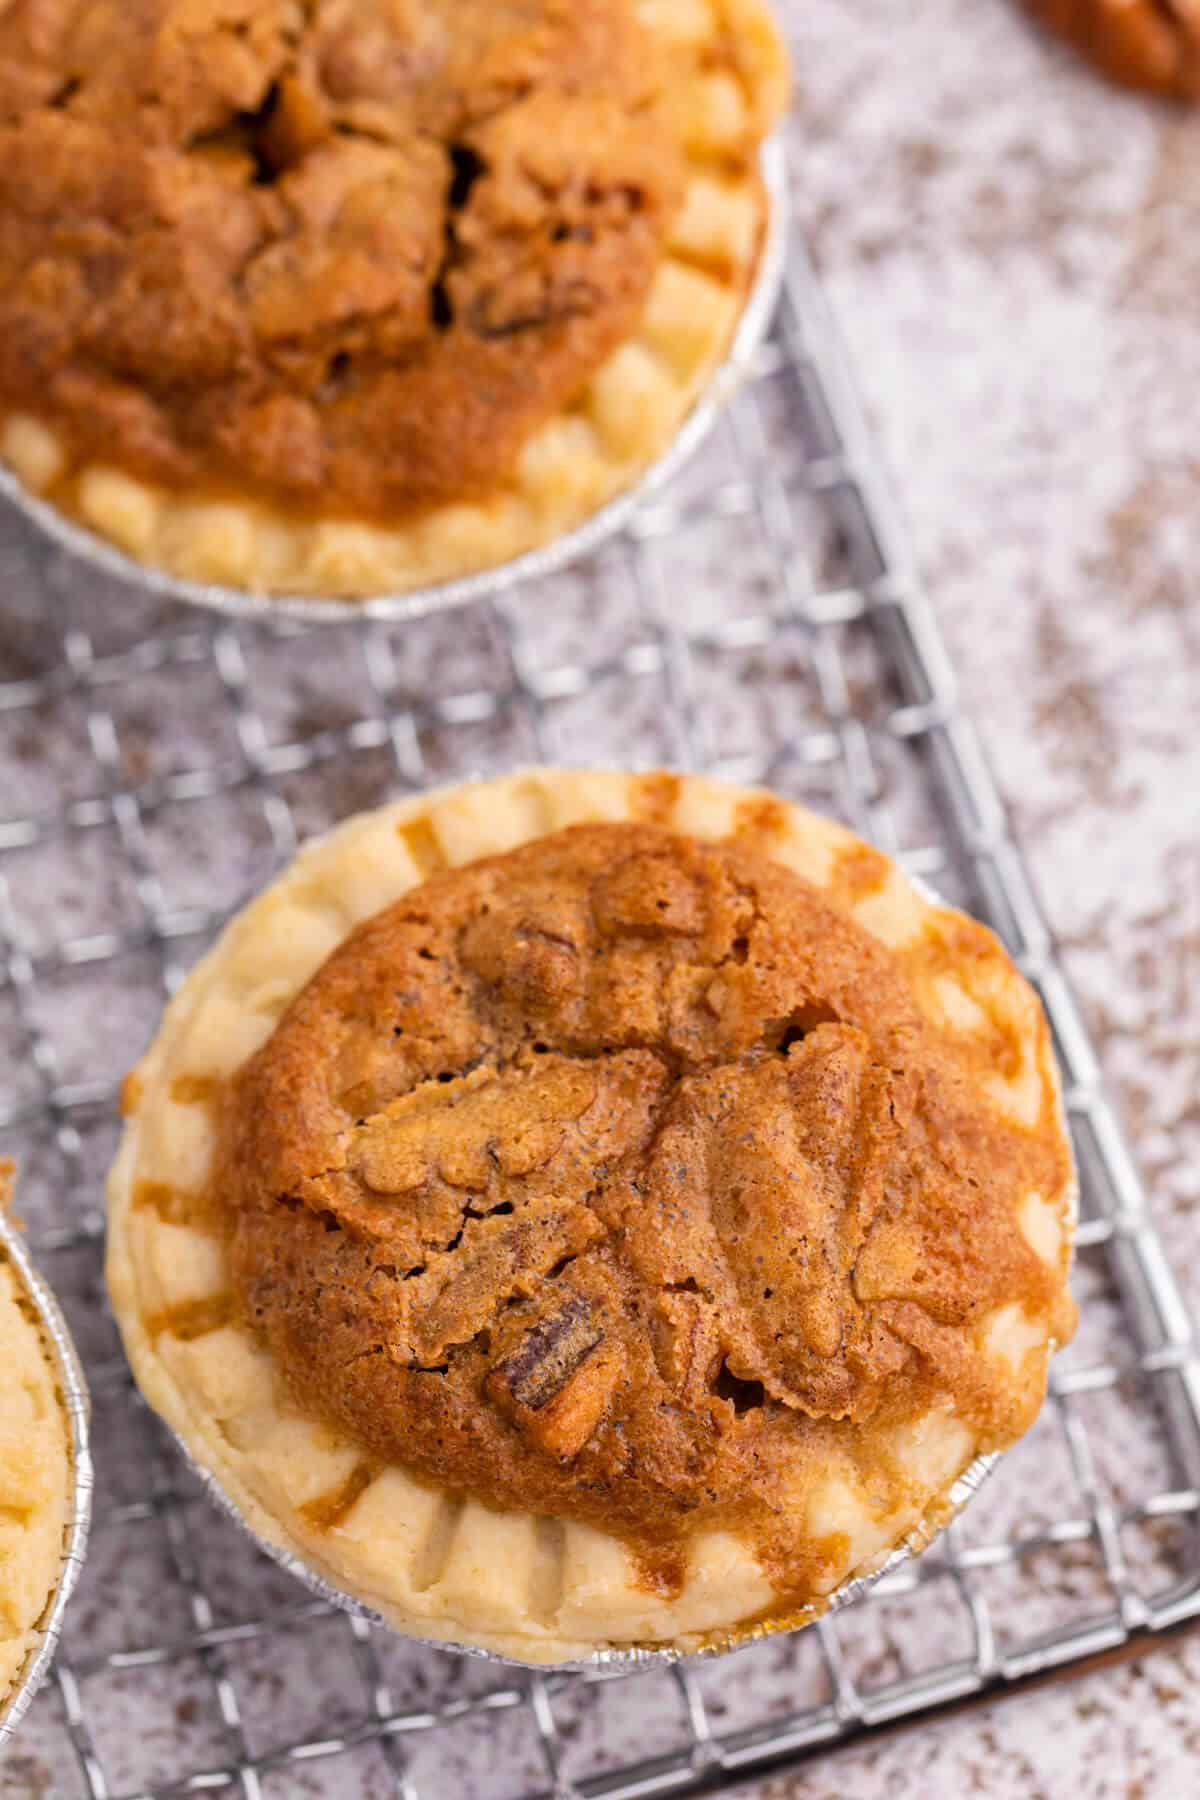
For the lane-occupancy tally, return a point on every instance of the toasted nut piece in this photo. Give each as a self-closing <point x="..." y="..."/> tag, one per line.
<point x="1151" y="44"/>
<point x="556" y="1386"/>
<point x="687" y="1344"/>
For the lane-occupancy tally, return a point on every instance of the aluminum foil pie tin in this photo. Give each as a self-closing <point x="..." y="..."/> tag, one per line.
<point x="73" y="1394"/>
<point x="637" y="1655"/>
<point x="757" y="312"/>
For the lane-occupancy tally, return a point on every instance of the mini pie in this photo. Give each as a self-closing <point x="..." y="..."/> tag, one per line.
<point x="34" y="1476"/>
<point x="1153" y="44"/>
<point x="581" y="1210"/>
<point x="353" y="296"/>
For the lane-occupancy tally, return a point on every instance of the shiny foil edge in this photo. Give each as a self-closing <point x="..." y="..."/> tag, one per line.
<point x="76" y="1404"/>
<point x="532" y="565"/>
<point x="940" y="1514"/>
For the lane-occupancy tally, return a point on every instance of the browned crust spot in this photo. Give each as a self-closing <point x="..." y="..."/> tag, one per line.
<point x="196" y="1090"/>
<point x="655" y="796"/>
<point x="191" y="1319"/>
<point x="172" y="1205"/>
<point x="858" y="872"/>
<point x="761" y="820"/>
<point x="420" y="840"/>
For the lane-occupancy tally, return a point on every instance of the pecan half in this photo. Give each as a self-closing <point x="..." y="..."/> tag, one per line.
<point x="558" y="1382"/>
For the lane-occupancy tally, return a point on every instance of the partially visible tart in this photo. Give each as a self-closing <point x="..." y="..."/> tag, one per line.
<point x="354" y="297"/>
<point x="35" y="1473"/>
<point x="1151" y="44"/>
<point x="583" y="1210"/>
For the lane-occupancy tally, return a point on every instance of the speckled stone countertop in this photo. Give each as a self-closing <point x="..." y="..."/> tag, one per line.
<point x="1012" y="251"/>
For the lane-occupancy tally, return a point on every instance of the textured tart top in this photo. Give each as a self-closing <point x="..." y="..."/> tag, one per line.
<point x="1151" y="44"/>
<point x="605" y="1177"/>
<point x="33" y="1478"/>
<point x="351" y="250"/>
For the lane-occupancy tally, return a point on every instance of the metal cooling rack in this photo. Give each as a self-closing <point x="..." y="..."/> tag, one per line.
<point x="155" y="764"/>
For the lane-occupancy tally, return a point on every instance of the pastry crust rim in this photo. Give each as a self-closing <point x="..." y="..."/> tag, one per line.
<point x="300" y="1549"/>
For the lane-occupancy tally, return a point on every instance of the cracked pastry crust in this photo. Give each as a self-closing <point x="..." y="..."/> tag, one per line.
<point x="34" y="1476"/>
<point x="1150" y="44"/>
<point x="352" y="299"/>
<point x="580" y="1210"/>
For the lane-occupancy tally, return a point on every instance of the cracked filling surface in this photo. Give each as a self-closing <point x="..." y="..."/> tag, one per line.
<point x="1152" y="44"/>
<point x="618" y="1178"/>
<point x="348" y="253"/>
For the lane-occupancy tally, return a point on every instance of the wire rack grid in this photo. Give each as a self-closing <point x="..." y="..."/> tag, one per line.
<point x="760" y="620"/>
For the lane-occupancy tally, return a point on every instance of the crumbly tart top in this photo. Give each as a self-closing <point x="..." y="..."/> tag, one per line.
<point x="583" y="1209"/>
<point x="267" y="270"/>
<point x="34" y="1475"/>
<point x="1152" y="44"/>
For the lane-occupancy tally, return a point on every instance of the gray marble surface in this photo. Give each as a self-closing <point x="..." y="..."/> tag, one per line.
<point x="1008" y="248"/>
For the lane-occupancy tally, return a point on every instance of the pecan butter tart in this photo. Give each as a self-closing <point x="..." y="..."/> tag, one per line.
<point x="586" y="1210"/>
<point x="354" y="296"/>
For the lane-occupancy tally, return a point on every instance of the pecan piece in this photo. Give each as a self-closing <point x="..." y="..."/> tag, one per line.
<point x="557" y="1384"/>
<point x="1152" y="44"/>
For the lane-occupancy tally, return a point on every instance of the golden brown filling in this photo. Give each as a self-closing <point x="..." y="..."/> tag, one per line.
<point x="1151" y="44"/>
<point x="350" y="252"/>
<point x="615" y="1178"/>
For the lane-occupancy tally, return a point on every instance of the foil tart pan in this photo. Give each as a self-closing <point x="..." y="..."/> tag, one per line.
<point x="634" y="1656"/>
<point x="942" y="1513"/>
<point x="73" y="1395"/>
<point x="757" y="311"/>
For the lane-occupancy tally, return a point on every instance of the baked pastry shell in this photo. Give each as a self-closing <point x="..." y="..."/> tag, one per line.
<point x="237" y="1498"/>
<point x="73" y="1396"/>
<point x="571" y="546"/>
<point x="634" y="1656"/>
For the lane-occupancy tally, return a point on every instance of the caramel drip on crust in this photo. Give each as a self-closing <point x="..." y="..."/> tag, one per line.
<point x="420" y="840"/>
<point x="1148" y="44"/>
<point x="196" y="1090"/>
<point x="327" y="1511"/>
<point x="859" y="871"/>
<point x="173" y="1205"/>
<point x="760" y="821"/>
<point x="662" y="1570"/>
<point x="654" y="797"/>
<point x="191" y="1319"/>
<point x="621" y="1178"/>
